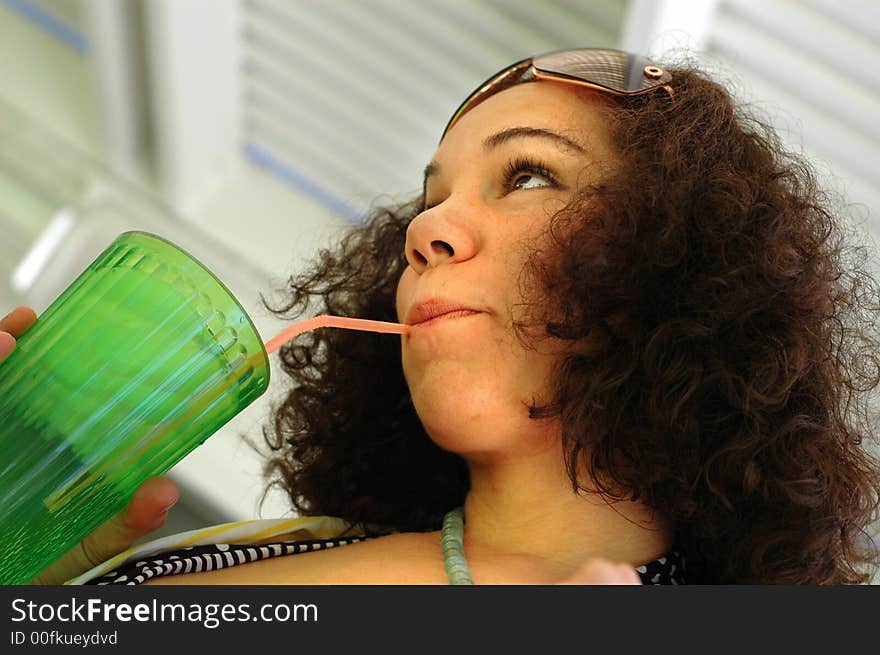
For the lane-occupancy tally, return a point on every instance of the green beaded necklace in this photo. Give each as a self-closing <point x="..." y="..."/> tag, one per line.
<point x="451" y="541"/>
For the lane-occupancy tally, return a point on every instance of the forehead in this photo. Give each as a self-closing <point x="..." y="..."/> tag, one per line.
<point x="578" y="113"/>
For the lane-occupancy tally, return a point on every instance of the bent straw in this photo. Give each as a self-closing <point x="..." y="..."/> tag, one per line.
<point x="325" y="320"/>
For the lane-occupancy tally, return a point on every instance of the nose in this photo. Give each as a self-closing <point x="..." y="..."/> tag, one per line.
<point x="438" y="236"/>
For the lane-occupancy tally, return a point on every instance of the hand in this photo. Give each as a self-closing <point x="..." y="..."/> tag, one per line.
<point x="145" y="513"/>
<point x="598" y="571"/>
<point x="14" y="325"/>
<point x="146" y="510"/>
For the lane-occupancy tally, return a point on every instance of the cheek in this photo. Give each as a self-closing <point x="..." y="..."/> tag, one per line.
<point x="527" y="249"/>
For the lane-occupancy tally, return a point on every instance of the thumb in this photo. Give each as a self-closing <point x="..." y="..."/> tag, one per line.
<point x="146" y="512"/>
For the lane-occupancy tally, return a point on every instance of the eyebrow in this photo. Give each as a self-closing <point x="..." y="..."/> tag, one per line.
<point x="499" y="138"/>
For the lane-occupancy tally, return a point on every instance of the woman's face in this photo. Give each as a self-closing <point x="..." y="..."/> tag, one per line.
<point x="495" y="181"/>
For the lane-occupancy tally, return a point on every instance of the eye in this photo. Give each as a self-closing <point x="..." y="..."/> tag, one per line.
<point x="523" y="173"/>
<point x="529" y="181"/>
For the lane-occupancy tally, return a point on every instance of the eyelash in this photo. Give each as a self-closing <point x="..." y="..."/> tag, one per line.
<point x="514" y="169"/>
<point x="526" y="165"/>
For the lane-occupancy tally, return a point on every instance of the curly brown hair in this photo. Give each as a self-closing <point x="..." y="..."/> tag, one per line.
<point x="733" y="346"/>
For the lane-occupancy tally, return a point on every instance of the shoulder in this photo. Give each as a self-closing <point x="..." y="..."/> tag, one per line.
<point x="407" y="558"/>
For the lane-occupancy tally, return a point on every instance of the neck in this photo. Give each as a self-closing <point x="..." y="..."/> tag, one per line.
<point x="525" y="508"/>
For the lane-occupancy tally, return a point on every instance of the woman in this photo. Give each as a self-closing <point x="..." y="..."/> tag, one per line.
<point x="648" y="349"/>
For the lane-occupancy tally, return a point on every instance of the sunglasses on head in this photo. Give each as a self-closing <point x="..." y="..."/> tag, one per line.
<point x="611" y="71"/>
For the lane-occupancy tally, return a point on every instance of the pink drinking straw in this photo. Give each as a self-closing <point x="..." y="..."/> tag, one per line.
<point x="326" y="320"/>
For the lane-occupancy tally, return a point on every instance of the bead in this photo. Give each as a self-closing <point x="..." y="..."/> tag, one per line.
<point x="451" y="541"/>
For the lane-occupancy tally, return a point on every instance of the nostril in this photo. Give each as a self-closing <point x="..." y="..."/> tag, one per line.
<point x="438" y="251"/>
<point x="442" y="245"/>
<point x="420" y="259"/>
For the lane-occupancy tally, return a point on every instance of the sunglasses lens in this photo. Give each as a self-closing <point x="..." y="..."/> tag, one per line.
<point x="614" y="70"/>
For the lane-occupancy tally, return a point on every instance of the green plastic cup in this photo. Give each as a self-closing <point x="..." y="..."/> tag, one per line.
<point x="143" y="357"/>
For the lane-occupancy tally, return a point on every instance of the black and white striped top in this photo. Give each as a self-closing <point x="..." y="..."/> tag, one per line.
<point x="197" y="559"/>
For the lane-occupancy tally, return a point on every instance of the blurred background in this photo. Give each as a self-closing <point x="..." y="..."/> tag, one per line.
<point x="252" y="132"/>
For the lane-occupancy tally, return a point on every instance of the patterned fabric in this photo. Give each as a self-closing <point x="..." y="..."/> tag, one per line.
<point x="196" y="559"/>
<point x="243" y="533"/>
<point x="669" y="569"/>
<point x="232" y="544"/>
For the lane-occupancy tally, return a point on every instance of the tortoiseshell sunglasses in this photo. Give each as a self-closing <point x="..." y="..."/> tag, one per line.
<point x="612" y="71"/>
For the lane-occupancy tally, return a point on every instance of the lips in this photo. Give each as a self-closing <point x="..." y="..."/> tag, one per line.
<point x="437" y="307"/>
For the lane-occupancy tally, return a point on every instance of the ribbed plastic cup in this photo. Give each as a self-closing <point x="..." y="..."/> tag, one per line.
<point x="143" y="357"/>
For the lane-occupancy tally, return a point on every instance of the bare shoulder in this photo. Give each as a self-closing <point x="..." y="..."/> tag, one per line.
<point x="408" y="558"/>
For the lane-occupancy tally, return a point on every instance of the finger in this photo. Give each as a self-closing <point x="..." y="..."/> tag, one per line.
<point x="18" y="321"/>
<point x="7" y="345"/>
<point x="150" y="504"/>
<point x="604" y="572"/>
<point x="146" y="512"/>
